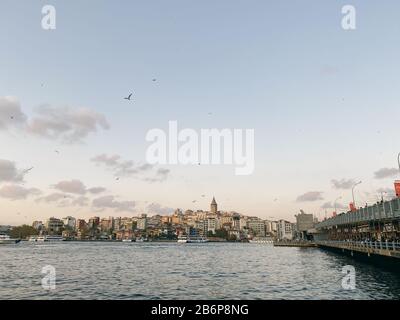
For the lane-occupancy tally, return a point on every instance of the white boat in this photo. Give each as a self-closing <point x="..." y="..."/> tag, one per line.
<point x="49" y="238"/>
<point x="192" y="239"/>
<point x="182" y="239"/>
<point x="261" y="240"/>
<point x="142" y="239"/>
<point x="33" y="238"/>
<point x="5" y="239"/>
<point x="128" y="240"/>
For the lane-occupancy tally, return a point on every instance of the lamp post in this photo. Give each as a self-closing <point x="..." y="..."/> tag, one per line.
<point x="352" y="192"/>
<point x="334" y="204"/>
<point x="398" y="160"/>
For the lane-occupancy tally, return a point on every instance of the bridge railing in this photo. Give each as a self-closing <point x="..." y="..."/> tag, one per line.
<point x="379" y="211"/>
<point x="377" y="245"/>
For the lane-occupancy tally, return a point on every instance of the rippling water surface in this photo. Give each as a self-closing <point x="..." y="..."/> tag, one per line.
<point x="186" y="271"/>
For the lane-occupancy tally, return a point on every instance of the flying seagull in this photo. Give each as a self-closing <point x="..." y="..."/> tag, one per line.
<point x="128" y="97"/>
<point x="27" y="170"/>
<point x="56" y="151"/>
<point x="154" y="79"/>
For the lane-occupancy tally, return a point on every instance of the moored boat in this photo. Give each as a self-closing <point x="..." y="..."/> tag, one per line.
<point x="5" y="239"/>
<point x="49" y="238"/>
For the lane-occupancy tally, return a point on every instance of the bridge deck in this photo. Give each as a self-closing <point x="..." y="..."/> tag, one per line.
<point x="388" y="249"/>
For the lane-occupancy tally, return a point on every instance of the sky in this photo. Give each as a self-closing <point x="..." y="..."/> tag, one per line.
<point x="323" y="103"/>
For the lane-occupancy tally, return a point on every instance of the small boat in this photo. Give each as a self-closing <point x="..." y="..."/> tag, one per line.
<point x="263" y="240"/>
<point x="192" y="239"/>
<point x="197" y="239"/>
<point x="182" y="239"/>
<point x="33" y="239"/>
<point x="5" y="239"/>
<point x="49" y="238"/>
<point x="128" y="240"/>
<point x="141" y="239"/>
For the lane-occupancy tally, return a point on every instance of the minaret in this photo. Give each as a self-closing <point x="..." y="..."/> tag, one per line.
<point x="214" y="206"/>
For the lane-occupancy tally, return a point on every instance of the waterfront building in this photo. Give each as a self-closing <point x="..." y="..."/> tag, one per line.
<point x="142" y="222"/>
<point x="80" y="225"/>
<point x="117" y="224"/>
<point x="304" y="222"/>
<point x="69" y="222"/>
<point x="94" y="223"/>
<point x="54" y="225"/>
<point x="106" y="225"/>
<point x="285" y="231"/>
<point x="38" y="225"/>
<point x="257" y="226"/>
<point x="236" y="221"/>
<point x="166" y="219"/>
<point x="5" y="229"/>
<point x="211" y="225"/>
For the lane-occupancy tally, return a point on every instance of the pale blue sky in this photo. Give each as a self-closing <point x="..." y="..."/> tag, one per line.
<point x="323" y="101"/>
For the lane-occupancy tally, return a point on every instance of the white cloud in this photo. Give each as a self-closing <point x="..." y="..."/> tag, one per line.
<point x="67" y="124"/>
<point x="96" y="190"/>
<point x="109" y="202"/>
<point x="386" y="173"/>
<point x="11" y="114"/>
<point x="76" y="186"/>
<point x="9" y="172"/>
<point x="121" y="168"/>
<point x="310" y="196"/>
<point x="329" y="205"/>
<point x="72" y="186"/>
<point x="343" y="183"/>
<point x="53" y="197"/>
<point x="159" y="209"/>
<point x="16" y="192"/>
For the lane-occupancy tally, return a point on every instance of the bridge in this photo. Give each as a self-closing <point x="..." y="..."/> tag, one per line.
<point x="372" y="230"/>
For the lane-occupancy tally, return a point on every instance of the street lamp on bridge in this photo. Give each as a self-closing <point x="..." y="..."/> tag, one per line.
<point x="352" y="192"/>
<point x="334" y="204"/>
<point x="398" y="160"/>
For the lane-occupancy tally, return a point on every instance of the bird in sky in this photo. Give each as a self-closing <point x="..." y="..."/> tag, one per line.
<point x="117" y="178"/>
<point x="194" y="201"/>
<point x="27" y="170"/>
<point x="203" y="195"/>
<point x="128" y="97"/>
<point x="56" y="151"/>
<point x="12" y="117"/>
<point x="154" y="79"/>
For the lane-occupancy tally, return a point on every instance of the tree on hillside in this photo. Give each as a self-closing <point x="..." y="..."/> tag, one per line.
<point x="22" y="232"/>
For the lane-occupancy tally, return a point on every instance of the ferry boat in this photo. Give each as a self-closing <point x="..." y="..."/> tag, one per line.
<point x="5" y="239"/>
<point x="263" y="240"/>
<point x="192" y="239"/>
<point x="49" y="238"/>
<point x="182" y="239"/>
<point x="141" y="239"/>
